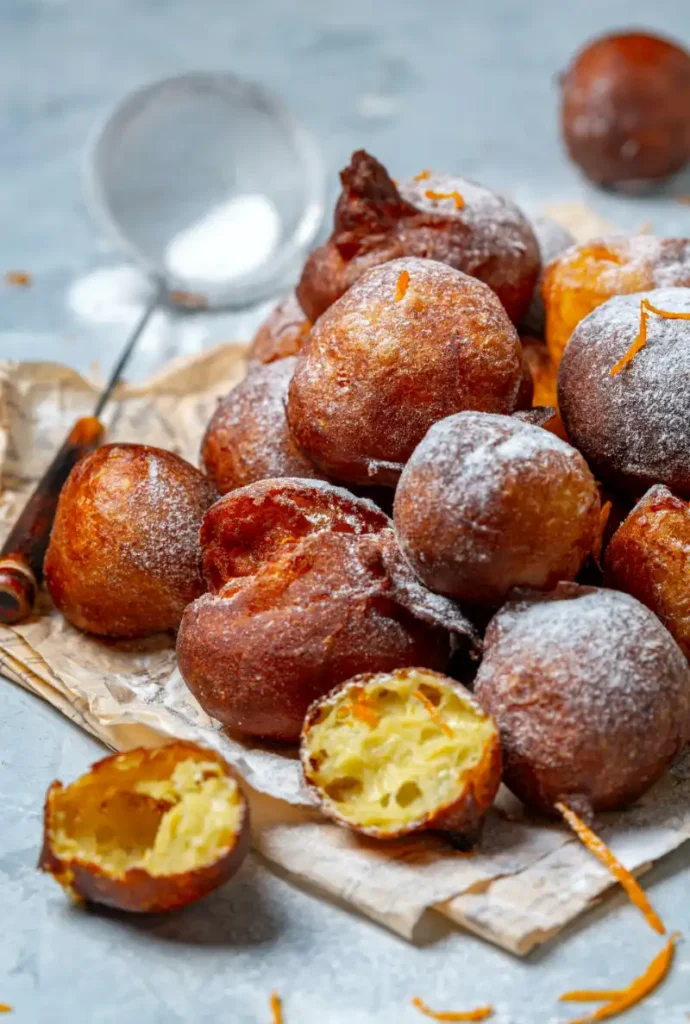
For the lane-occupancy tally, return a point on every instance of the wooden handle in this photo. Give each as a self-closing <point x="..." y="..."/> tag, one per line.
<point x="22" y="554"/>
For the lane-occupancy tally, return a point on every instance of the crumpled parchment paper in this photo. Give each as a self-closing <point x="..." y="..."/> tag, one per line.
<point x="526" y="881"/>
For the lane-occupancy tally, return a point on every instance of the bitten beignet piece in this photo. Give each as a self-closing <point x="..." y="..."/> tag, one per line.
<point x="591" y="695"/>
<point x="248" y="438"/>
<point x="400" y="752"/>
<point x="649" y="557"/>
<point x="124" y="557"/>
<point x="624" y="390"/>
<point x="147" y="830"/>
<point x="411" y="342"/>
<point x="488" y="503"/>
<point x="624" y="110"/>
<point x="432" y="216"/>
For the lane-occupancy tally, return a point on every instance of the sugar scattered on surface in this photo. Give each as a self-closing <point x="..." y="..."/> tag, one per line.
<point x="231" y="240"/>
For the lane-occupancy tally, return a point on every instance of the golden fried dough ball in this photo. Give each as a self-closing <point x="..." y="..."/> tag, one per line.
<point x="124" y="557"/>
<point x="248" y="437"/>
<point x="488" y="503"/>
<point x="587" y="275"/>
<point x="256" y="523"/>
<point x="553" y="239"/>
<point x="625" y="110"/>
<point x="591" y="695"/>
<point x="649" y="557"/>
<point x="261" y="650"/>
<point x="411" y="342"/>
<point x="624" y="390"/>
<point x="401" y="752"/>
<point x="433" y="216"/>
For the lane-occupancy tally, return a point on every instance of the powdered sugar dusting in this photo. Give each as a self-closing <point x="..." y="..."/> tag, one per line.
<point x="633" y="427"/>
<point x="588" y="688"/>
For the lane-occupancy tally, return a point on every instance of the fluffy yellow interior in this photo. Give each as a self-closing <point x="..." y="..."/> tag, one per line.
<point x="399" y="751"/>
<point x="164" y="821"/>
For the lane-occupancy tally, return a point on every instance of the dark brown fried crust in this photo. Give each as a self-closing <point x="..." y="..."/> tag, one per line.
<point x="124" y="557"/>
<point x="526" y="393"/>
<point x="137" y="890"/>
<point x="462" y="817"/>
<point x="489" y="503"/>
<point x="624" y="109"/>
<point x="388" y="360"/>
<point x="255" y="524"/>
<point x="649" y="558"/>
<point x="258" y="653"/>
<point x="591" y="695"/>
<point x="282" y="334"/>
<point x="248" y="438"/>
<point x="631" y="426"/>
<point x="375" y="221"/>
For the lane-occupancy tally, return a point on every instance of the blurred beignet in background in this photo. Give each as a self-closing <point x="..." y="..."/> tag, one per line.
<point x="432" y="216"/>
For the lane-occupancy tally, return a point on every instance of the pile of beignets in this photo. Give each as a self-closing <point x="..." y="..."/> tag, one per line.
<point x="441" y="533"/>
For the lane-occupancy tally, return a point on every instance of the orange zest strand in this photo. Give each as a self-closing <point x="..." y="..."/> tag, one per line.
<point x="599" y="543"/>
<point x="455" y="196"/>
<point x="5" y="1008"/>
<point x="636" y="991"/>
<point x="641" y="340"/>
<point x="363" y="711"/>
<point x="592" y="995"/>
<point x="401" y="287"/>
<point x="20" y="279"/>
<point x="418" y="695"/>
<point x="598" y="847"/>
<point x="422" y="176"/>
<point x="276" y="1008"/>
<point x="481" y="1013"/>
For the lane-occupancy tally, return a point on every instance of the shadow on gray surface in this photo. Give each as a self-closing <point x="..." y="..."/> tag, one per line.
<point x="237" y="915"/>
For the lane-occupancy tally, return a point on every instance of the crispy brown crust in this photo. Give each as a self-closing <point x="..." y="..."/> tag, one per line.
<point x="124" y="557"/>
<point x="258" y="653"/>
<point x="254" y="524"/>
<point x="488" y="503"/>
<point x="587" y="275"/>
<point x="591" y="696"/>
<point x="379" y="370"/>
<point x="649" y="558"/>
<point x="137" y="890"/>
<point x="525" y="394"/>
<point x="282" y="334"/>
<point x="376" y="222"/>
<point x="638" y="87"/>
<point x="248" y="438"/>
<point x="463" y="816"/>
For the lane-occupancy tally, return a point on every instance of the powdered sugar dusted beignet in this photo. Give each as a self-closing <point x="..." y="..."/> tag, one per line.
<point x="432" y="216"/>
<point x="487" y="503"/>
<point x="624" y="390"/>
<point x="591" y="695"/>
<point x="410" y="343"/>
<point x="248" y="437"/>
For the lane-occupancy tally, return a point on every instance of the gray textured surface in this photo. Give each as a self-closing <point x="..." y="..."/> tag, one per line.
<point x="447" y="84"/>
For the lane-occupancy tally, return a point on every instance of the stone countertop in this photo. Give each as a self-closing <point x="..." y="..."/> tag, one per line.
<point x="468" y="87"/>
